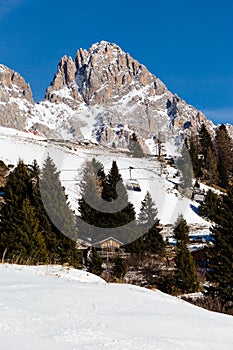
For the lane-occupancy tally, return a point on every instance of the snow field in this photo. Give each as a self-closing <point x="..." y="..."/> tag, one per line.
<point x="43" y="308"/>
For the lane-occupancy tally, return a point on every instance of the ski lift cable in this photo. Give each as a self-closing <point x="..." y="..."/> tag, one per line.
<point x="147" y="168"/>
<point x="138" y="178"/>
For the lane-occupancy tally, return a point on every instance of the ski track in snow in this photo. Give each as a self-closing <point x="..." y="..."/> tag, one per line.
<point x="42" y="309"/>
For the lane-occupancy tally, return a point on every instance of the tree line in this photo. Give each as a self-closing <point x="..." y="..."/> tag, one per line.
<point x="27" y="233"/>
<point x="212" y="159"/>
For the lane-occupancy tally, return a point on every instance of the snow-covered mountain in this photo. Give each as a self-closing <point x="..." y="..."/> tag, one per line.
<point x="103" y="95"/>
<point x="56" y="308"/>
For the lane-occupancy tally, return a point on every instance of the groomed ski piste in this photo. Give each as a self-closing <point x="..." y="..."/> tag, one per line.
<point x="57" y="308"/>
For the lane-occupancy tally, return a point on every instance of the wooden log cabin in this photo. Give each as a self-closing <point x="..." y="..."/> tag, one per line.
<point x="110" y="247"/>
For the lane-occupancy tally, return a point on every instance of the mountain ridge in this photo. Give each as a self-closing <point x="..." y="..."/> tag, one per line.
<point x="94" y="93"/>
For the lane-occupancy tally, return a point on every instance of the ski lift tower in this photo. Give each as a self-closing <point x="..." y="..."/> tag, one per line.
<point x="130" y="169"/>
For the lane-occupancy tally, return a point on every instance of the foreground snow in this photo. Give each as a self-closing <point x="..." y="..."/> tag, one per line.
<point x="57" y="308"/>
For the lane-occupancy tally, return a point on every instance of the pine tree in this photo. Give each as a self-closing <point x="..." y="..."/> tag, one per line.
<point x="181" y="230"/>
<point x="17" y="189"/>
<point x="32" y="243"/>
<point x="150" y="240"/>
<point x="113" y="185"/>
<point x="220" y="254"/>
<point x="104" y="207"/>
<point x="95" y="263"/>
<point x="60" y="214"/>
<point x="210" y="174"/>
<point x="55" y="199"/>
<point x="210" y="206"/>
<point x="45" y="224"/>
<point x="122" y="213"/>
<point x="184" y="164"/>
<point x="149" y="223"/>
<point x="208" y="156"/>
<point x="27" y="233"/>
<point x="135" y="147"/>
<point x="194" y="156"/>
<point x="185" y="274"/>
<point x="205" y="141"/>
<point x="224" y="149"/>
<point x="119" y="269"/>
<point x="90" y="203"/>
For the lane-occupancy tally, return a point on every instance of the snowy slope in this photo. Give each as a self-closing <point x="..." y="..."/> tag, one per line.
<point x="39" y="311"/>
<point x="70" y="159"/>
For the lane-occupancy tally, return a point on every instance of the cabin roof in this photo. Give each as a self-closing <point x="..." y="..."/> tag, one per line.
<point x="107" y="239"/>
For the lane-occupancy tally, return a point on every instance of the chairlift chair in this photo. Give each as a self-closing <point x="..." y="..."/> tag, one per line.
<point x="133" y="185"/>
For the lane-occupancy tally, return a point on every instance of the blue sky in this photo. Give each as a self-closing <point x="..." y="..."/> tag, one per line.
<point x="187" y="44"/>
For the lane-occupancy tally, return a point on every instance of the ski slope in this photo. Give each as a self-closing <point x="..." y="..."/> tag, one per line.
<point x="55" y="308"/>
<point x="70" y="160"/>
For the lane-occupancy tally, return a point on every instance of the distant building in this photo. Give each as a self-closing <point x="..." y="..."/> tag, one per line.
<point x="110" y="247"/>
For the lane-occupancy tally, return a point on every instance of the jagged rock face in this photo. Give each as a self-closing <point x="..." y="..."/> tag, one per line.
<point x="65" y="77"/>
<point x="123" y="90"/>
<point x="230" y="130"/>
<point x="106" y="73"/>
<point x="16" y="99"/>
<point x="102" y="75"/>
<point x="15" y="83"/>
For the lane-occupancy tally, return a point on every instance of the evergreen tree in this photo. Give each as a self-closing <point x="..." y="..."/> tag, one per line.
<point x="17" y="189"/>
<point x="95" y="263"/>
<point x="208" y="156"/>
<point x="98" y="169"/>
<point x="119" y="269"/>
<point x="181" y="230"/>
<point x="32" y="243"/>
<point x="185" y="274"/>
<point x="104" y="207"/>
<point x="113" y="185"/>
<point x="184" y="164"/>
<point x="45" y="224"/>
<point x="27" y="233"/>
<point x="210" y="206"/>
<point x="61" y="216"/>
<point x="194" y="156"/>
<point x="135" y="147"/>
<point x="149" y="223"/>
<point x="150" y="240"/>
<point x="224" y="149"/>
<point x="115" y="192"/>
<point x="205" y="142"/>
<point x="55" y="199"/>
<point x="220" y="254"/>
<point x="90" y="203"/>
<point x="210" y="172"/>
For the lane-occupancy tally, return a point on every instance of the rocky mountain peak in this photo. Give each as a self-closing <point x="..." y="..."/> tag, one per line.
<point x="103" y="94"/>
<point x="103" y="74"/>
<point x="13" y="82"/>
<point x="16" y="99"/>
